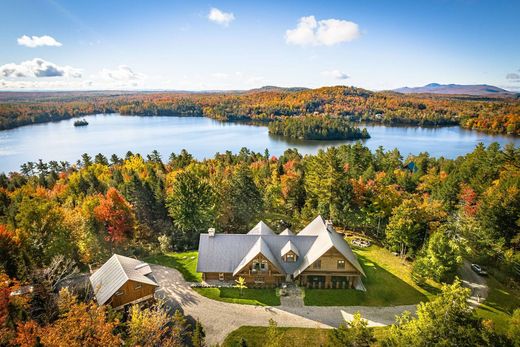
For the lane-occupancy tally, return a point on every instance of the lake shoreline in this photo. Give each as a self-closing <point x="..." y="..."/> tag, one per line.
<point x="203" y="137"/>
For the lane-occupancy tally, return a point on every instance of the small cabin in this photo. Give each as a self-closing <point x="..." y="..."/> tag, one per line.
<point x="123" y="281"/>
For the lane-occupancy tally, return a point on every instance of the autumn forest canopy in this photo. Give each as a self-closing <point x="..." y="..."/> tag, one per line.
<point x="89" y="209"/>
<point x="497" y="115"/>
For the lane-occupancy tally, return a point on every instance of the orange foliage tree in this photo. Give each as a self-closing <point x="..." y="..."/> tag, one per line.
<point x="117" y="216"/>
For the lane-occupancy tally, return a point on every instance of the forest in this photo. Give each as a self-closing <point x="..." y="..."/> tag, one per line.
<point x="498" y="115"/>
<point x="431" y="211"/>
<point x="317" y="128"/>
<point x="89" y="209"/>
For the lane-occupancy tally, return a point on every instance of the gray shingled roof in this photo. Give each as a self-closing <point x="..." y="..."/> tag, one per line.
<point x="107" y="280"/>
<point x="327" y="238"/>
<point x="261" y="229"/>
<point x="225" y="252"/>
<point x="287" y="231"/>
<point x="260" y="247"/>
<point x="289" y="246"/>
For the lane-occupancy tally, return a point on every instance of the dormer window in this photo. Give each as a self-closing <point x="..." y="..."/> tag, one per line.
<point x="290" y="257"/>
<point x="289" y="252"/>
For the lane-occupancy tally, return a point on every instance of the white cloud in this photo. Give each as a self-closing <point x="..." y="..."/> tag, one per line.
<point x="220" y="17"/>
<point x="38" y="68"/>
<point x="327" y="32"/>
<point x="336" y="74"/>
<point x="44" y="85"/>
<point x="38" y="41"/>
<point x="220" y="75"/>
<point x="122" y="73"/>
<point x="513" y="76"/>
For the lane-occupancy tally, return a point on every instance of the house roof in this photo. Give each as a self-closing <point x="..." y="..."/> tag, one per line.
<point x="261" y="229"/>
<point x="288" y="247"/>
<point x="327" y="238"/>
<point x="107" y="280"/>
<point x="229" y="252"/>
<point x="287" y="231"/>
<point x="260" y="247"/>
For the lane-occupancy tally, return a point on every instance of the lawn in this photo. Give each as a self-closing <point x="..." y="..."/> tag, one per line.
<point x="291" y="337"/>
<point x="499" y="305"/>
<point x="388" y="283"/>
<point x="184" y="262"/>
<point x="262" y="297"/>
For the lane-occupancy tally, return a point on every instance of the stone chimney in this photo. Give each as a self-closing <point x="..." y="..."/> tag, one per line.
<point x="211" y="232"/>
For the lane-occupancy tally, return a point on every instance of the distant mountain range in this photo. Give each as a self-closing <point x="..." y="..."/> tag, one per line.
<point x="471" y="89"/>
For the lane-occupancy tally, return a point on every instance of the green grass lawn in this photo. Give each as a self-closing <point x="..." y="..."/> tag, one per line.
<point x="291" y="337"/>
<point x="499" y="305"/>
<point x="388" y="283"/>
<point x="184" y="262"/>
<point x="262" y="297"/>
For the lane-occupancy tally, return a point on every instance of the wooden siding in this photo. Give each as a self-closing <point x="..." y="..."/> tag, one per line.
<point x="331" y="276"/>
<point x="329" y="263"/>
<point x="268" y="278"/>
<point x="131" y="292"/>
<point x="329" y="269"/>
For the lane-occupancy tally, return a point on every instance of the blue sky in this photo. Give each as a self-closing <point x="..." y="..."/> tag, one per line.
<point x="247" y="44"/>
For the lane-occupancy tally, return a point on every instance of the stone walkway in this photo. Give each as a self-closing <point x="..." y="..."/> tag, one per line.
<point x="293" y="297"/>
<point x="220" y="318"/>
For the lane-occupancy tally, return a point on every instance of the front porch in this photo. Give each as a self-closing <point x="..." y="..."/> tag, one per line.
<point x="329" y="281"/>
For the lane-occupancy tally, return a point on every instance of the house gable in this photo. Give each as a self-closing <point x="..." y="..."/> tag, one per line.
<point x="259" y="248"/>
<point x="329" y="263"/>
<point x="131" y="291"/>
<point x="249" y="268"/>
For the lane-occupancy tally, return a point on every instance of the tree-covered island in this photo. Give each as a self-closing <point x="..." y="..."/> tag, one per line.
<point x="317" y="128"/>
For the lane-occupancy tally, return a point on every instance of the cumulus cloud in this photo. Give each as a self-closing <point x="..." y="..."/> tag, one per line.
<point x="38" y="68"/>
<point x="44" y="84"/>
<point x="122" y="73"/>
<point x="336" y="74"/>
<point x="38" y="41"/>
<point x="220" y="17"/>
<point x="327" y="32"/>
<point x="513" y="76"/>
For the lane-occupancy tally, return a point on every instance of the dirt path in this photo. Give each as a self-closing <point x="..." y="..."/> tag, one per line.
<point x="220" y="318"/>
<point x="475" y="282"/>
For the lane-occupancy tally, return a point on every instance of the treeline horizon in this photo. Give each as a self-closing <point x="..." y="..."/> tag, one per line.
<point x="498" y="115"/>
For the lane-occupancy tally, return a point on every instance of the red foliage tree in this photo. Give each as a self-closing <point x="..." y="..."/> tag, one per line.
<point x="468" y="199"/>
<point x="117" y="216"/>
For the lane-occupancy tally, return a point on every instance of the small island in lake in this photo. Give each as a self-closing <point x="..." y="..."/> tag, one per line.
<point x="317" y="128"/>
<point x="81" y="123"/>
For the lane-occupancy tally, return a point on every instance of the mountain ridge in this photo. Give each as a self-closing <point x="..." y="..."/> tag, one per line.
<point x="456" y="89"/>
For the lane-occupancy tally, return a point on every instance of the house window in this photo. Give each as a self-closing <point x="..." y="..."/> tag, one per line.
<point x="260" y="266"/>
<point x="341" y="264"/>
<point x="317" y="264"/>
<point x="290" y="257"/>
<point x="259" y="279"/>
<point x="120" y="292"/>
<point x="137" y="286"/>
<point x="221" y="276"/>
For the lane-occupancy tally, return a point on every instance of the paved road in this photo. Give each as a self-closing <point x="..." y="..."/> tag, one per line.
<point x="477" y="284"/>
<point x="220" y="318"/>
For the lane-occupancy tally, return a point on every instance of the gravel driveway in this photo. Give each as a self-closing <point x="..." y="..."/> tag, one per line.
<point x="475" y="282"/>
<point x="220" y="318"/>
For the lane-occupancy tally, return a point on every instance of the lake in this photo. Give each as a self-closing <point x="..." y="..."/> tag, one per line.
<point x="203" y="137"/>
